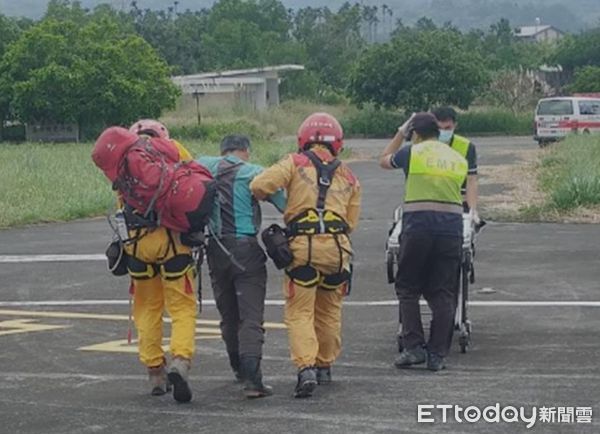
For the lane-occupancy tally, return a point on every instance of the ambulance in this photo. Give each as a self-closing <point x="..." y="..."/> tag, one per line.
<point x="557" y="117"/>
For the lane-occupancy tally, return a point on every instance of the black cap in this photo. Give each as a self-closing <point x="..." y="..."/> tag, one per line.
<point x="425" y="125"/>
<point x="235" y="142"/>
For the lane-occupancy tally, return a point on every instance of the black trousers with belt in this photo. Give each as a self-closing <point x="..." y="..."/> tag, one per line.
<point x="428" y="267"/>
<point x="240" y="294"/>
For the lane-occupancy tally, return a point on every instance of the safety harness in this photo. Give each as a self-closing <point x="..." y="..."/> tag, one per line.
<point x="172" y="269"/>
<point x="320" y="221"/>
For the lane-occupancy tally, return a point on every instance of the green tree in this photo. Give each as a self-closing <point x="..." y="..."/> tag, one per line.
<point x="67" y="10"/>
<point x="94" y="75"/>
<point x="9" y="31"/>
<point x="417" y="70"/>
<point x="575" y="51"/>
<point x="241" y="34"/>
<point x="177" y="37"/>
<point x="332" y="42"/>
<point x="586" y="79"/>
<point x="502" y="50"/>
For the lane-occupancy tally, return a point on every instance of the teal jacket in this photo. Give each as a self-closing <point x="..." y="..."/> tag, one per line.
<point x="236" y="211"/>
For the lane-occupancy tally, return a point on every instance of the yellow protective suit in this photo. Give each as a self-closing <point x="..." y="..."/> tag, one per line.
<point x="151" y="296"/>
<point x="313" y="314"/>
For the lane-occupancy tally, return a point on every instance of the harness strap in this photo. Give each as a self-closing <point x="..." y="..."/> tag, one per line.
<point x="225" y="250"/>
<point x="325" y="173"/>
<point x="171" y="243"/>
<point x="227" y="172"/>
<point x="124" y="181"/>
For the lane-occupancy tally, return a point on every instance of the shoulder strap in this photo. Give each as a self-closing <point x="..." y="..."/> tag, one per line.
<point x="325" y="173"/>
<point x="125" y="182"/>
<point x="225" y="167"/>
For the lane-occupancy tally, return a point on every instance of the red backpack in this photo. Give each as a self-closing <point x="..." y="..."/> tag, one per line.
<point x="151" y="179"/>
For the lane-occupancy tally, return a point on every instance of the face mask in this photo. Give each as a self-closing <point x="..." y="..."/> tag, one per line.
<point x="446" y="136"/>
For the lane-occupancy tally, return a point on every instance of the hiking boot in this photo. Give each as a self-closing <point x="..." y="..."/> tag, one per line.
<point x="157" y="377"/>
<point x="234" y="362"/>
<point x="252" y="378"/>
<point x="178" y="376"/>
<point x="323" y="375"/>
<point x="407" y="358"/>
<point x="307" y="381"/>
<point x="435" y="362"/>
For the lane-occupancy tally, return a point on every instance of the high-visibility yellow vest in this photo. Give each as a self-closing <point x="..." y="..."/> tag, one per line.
<point x="460" y="144"/>
<point x="435" y="176"/>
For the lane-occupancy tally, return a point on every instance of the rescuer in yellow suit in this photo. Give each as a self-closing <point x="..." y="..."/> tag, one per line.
<point x="322" y="210"/>
<point x="163" y="273"/>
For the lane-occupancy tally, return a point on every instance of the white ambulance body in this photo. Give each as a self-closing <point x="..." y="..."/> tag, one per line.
<point x="557" y="117"/>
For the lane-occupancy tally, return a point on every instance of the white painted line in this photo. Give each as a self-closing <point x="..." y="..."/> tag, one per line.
<point x="490" y="303"/>
<point x="491" y="374"/>
<point x="65" y="303"/>
<point x="16" y="259"/>
<point x="210" y="302"/>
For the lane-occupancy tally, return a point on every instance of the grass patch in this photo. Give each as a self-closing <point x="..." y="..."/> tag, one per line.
<point x="280" y="121"/>
<point x="495" y="121"/>
<point x="381" y="123"/>
<point x="570" y="174"/>
<point x="372" y="122"/>
<point x="59" y="182"/>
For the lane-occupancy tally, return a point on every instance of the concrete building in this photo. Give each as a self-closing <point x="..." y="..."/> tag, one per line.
<point x="539" y="33"/>
<point x="257" y="88"/>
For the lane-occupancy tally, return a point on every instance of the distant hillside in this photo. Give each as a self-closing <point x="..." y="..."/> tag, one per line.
<point x="573" y="15"/>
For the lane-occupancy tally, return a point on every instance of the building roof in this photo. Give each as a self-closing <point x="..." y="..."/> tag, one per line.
<point x="530" y="31"/>
<point x="230" y="81"/>
<point x="242" y="72"/>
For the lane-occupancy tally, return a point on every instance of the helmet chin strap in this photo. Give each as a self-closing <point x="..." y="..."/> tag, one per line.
<point x="329" y="147"/>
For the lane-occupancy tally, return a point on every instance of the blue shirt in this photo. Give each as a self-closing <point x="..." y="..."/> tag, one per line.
<point x="236" y="212"/>
<point x="434" y="222"/>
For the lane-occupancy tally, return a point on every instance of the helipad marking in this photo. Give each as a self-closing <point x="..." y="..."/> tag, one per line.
<point x="17" y="326"/>
<point x="122" y="346"/>
<point x="107" y="317"/>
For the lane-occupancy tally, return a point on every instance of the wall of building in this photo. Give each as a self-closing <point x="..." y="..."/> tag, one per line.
<point x="50" y="132"/>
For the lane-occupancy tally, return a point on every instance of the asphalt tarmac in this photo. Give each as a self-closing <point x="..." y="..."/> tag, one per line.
<point x="66" y="366"/>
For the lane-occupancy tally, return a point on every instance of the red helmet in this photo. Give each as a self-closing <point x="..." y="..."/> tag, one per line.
<point x="150" y="127"/>
<point x="321" y="128"/>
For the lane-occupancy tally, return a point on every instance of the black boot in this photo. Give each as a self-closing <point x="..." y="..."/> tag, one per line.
<point x="234" y="361"/>
<point x="323" y="375"/>
<point x="252" y="377"/>
<point x="307" y="381"/>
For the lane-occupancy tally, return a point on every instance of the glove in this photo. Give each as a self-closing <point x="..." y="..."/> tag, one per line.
<point x="405" y="128"/>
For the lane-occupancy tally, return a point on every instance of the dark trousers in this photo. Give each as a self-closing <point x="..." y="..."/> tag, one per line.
<point x="428" y="266"/>
<point x="240" y="294"/>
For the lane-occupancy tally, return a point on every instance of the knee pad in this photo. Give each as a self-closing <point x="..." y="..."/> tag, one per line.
<point x="305" y="276"/>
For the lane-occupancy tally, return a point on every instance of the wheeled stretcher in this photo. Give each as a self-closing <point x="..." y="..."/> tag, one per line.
<point x="466" y="275"/>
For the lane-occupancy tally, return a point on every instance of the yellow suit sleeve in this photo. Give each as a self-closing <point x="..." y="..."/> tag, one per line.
<point x="354" y="207"/>
<point x="273" y="179"/>
<point x="184" y="154"/>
